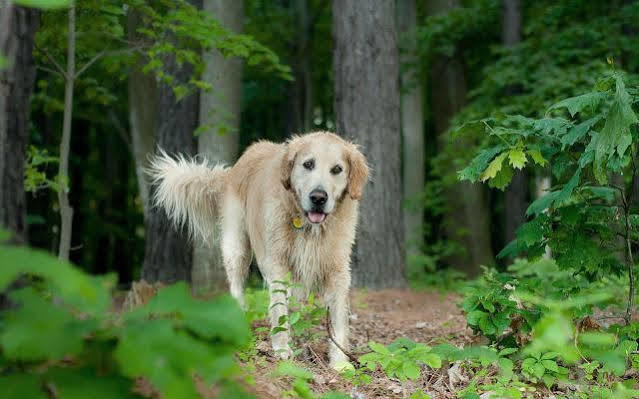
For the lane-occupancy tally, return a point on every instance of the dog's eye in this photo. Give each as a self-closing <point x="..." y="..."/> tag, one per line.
<point x="310" y="164"/>
<point x="336" y="170"/>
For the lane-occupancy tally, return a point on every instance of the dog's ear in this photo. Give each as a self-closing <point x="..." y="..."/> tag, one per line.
<point x="358" y="173"/>
<point x="288" y="161"/>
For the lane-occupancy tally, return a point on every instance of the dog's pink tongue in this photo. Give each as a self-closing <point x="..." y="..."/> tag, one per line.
<point x="316" y="217"/>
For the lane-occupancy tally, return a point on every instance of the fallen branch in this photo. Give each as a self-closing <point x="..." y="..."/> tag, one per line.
<point x="330" y="336"/>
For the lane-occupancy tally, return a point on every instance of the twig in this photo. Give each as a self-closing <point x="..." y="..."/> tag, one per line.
<point x="105" y="53"/>
<point x="317" y="357"/>
<point x="629" y="259"/>
<point x="53" y="61"/>
<point x="330" y="335"/>
<point x="121" y="130"/>
<point x="89" y="63"/>
<point x="52" y="71"/>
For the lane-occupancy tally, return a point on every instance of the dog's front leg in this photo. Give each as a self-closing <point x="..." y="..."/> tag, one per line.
<point x="336" y="299"/>
<point x="278" y="307"/>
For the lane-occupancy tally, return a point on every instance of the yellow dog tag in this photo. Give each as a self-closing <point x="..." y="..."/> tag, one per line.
<point x="298" y="222"/>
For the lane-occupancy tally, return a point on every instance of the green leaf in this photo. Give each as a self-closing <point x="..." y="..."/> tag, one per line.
<point x="534" y="231"/>
<point x="220" y="318"/>
<point x="378" y="348"/>
<point x="578" y="103"/>
<point x="168" y="357"/>
<point x="474" y="170"/>
<point x="568" y="188"/>
<point x="88" y="294"/>
<point x="542" y="203"/>
<point x="517" y="158"/>
<point x="486" y="325"/>
<point x="74" y="383"/>
<point x="578" y="132"/>
<point x="550" y="365"/>
<point x="615" y="135"/>
<point x="44" y="4"/>
<point x="411" y="370"/>
<point x="503" y="178"/>
<point x="473" y="317"/>
<point x="290" y="369"/>
<point x="506" y="366"/>
<point x="507" y="351"/>
<point x="432" y="360"/>
<point x="537" y="157"/>
<point x="538" y="369"/>
<point x="20" y="386"/>
<point x="493" y="167"/>
<point x="549" y="380"/>
<point x="22" y="337"/>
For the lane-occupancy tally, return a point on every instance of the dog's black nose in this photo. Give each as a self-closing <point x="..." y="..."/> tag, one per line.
<point x="318" y="197"/>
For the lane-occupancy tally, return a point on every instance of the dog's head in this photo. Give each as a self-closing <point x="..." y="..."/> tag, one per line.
<point x="320" y="168"/>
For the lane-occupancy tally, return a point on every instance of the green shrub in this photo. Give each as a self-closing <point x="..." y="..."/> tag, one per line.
<point x="62" y="335"/>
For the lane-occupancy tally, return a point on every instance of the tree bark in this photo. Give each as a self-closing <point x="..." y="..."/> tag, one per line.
<point x="468" y="219"/>
<point x="366" y="70"/>
<point x="517" y="193"/>
<point x="297" y="111"/>
<point x="168" y="252"/>
<point x="66" y="211"/>
<point x="19" y="25"/>
<point x="412" y="120"/>
<point x="142" y="114"/>
<point x="220" y="106"/>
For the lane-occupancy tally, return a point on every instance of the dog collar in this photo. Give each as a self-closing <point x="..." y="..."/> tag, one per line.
<point x="297" y="223"/>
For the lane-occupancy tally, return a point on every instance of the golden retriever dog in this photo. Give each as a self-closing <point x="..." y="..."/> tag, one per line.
<point x="294" y="205"/>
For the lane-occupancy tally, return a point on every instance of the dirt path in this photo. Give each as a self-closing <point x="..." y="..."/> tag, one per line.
<point x="382" y="316"/>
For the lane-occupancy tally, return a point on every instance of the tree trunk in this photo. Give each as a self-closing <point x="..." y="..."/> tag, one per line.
<point x="19" y="25"/>
<point x="219" y="107"/>
<point x="517" y="193"/>
<point x="412" y="120"/>
<point x="66" y="211"/>
<point x="142" y="114"/>
<point x="468" y="219"/>
<point x="297" y="111"/>
<point x="168" y="252"/>
<point x="366" y="70"/>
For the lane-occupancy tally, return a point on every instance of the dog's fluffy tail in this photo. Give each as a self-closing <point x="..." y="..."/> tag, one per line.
<point x="188" y="191"/>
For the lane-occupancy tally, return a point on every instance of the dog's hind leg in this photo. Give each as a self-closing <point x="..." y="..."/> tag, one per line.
<point x="236" y="250"/>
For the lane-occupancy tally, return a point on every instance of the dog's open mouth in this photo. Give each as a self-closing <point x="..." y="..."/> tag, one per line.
<point x="316" y="217"/>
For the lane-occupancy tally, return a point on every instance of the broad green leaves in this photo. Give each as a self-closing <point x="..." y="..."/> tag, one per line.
<point x="611" y="110"/>
<point x="615" y="137"/>
<point x="62" y="334"/>
<point x="577" y="104"/>
<point x="402" y="359"/>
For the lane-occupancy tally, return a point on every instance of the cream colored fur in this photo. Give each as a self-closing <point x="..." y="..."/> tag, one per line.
<point x="254" y="203"/>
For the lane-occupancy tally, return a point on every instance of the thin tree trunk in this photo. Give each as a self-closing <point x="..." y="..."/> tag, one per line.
<point x="468" y="219"/>
<point x="517" y="193"/>
<point x="18" y="26"/>
<point x="66" y="211"/>
<point x="366" y="70"/>
<point x="142" y="114"/>
<point x="221" y="106"/>
<point x="304" y="78"/>
<point x="298" y="109"/>
<point x="412" y="128"/>
<point x="168" y="253"/>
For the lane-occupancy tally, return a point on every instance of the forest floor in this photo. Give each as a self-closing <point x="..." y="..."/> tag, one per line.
<point x="382" y="316"/>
